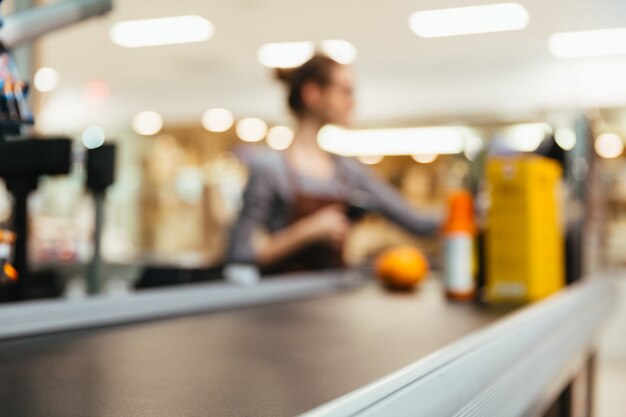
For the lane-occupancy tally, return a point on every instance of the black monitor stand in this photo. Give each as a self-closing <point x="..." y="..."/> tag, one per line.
<point x="100" y="175"/>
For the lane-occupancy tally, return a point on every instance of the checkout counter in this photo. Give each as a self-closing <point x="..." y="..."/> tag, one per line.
<point x="318" y="345"/>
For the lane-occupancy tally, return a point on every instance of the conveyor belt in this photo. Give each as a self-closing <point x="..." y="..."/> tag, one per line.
<point x="276" y="360"/>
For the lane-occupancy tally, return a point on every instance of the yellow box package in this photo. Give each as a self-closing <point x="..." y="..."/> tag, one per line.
<point x="524" y="239"/>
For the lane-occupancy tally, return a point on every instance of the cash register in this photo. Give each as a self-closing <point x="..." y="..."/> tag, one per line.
<point x="24" y="158"/>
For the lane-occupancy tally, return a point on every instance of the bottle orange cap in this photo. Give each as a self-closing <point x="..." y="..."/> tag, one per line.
<point x="10" y="272"/>
<point x="460" y="213"/>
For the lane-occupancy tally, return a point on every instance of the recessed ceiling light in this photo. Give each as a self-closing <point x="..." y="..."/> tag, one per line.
<point x="93" y="137"/>
<point x="609" y="145"/>
<point x="46" y="79"/>
<point x="251" y="129"/>
<point x="469" y="20"/>
<point x="162" y="31"/>
<point x="279" y="137"/>
<point x="403" y="141"/>
<point x="147" y="123"/>
<point x="588" y="43"/>
<point x="217" y="120"/>
<point x="285" y="54"/>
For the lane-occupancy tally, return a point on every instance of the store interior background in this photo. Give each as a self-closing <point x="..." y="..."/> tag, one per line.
<point x="177" y="191"/>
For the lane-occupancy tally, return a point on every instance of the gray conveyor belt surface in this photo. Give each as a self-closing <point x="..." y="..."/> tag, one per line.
<point x="275" y="360"/>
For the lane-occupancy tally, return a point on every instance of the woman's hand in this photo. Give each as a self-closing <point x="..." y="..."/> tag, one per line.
<point x="328" y="224"/>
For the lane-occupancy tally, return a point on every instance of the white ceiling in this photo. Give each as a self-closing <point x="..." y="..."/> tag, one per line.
<point x="401" y="78"/>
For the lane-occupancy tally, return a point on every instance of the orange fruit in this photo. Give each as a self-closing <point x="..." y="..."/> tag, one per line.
<point x="402" y="267"/>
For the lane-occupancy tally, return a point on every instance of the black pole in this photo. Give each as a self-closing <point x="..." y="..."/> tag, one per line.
<point x="100" y="175"/>
<point x="94" y="280"/>
<point x="21" y="189"/>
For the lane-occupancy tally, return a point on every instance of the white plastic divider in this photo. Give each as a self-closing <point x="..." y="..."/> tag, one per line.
<point x="501" y="370"/>
<point x="40" y="317"/>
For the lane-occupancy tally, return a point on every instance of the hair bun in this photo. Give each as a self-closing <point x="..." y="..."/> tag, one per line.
<point x="316" y="70"/>
<point x="285" y="75"/>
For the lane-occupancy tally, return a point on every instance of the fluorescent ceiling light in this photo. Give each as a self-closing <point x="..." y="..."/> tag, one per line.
<point x="339" y="50"/>
<point x="294" y="54"/>
<point x="469" y="20"/>
<point x="404" y="141"/>
<point x="609" y="145"/>
<point x="526" y="137"/>
<point x="588" y="43"/>
<point x="163" y="31"/>
<point x="286" y="54"/>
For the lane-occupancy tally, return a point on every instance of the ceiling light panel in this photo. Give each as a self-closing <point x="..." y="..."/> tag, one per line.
<point x="472" y="20"/>
<point x="162" y="31"/>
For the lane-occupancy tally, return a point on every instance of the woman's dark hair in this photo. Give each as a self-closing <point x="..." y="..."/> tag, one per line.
<point x="316" y="70"/>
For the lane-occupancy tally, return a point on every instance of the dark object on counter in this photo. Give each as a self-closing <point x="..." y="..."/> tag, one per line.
<point x="167" y="276"/>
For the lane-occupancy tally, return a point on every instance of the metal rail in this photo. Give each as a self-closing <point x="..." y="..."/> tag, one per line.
<point x="501" y="370"/>
<point x="40" y="317"/>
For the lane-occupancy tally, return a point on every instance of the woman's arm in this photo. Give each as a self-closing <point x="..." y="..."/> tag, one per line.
<point x="258" y="205"/>
<point x="387" y="201"/>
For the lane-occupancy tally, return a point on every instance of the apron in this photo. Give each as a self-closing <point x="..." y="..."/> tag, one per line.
<point x="318" y="255"/>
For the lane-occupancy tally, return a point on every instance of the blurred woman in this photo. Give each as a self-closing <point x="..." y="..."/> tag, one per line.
<point x="304" y="196"/>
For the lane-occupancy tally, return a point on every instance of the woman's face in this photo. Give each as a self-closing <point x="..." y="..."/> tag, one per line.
<point x="336" y="98"/>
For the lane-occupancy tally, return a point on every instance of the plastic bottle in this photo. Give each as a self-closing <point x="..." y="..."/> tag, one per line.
<point x="458" y="247"/>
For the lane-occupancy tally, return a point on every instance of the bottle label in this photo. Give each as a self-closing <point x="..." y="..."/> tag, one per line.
<point x="5" y="251"/>
<point x="457" y="263"/>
